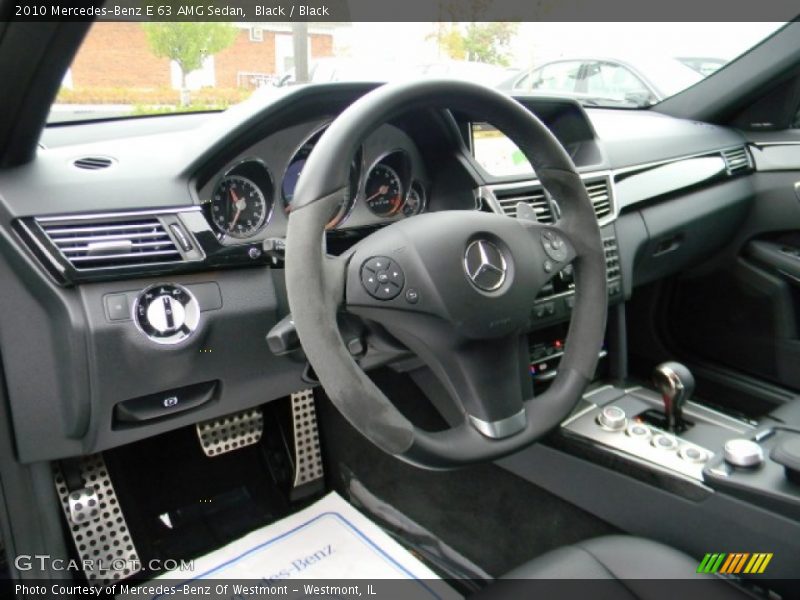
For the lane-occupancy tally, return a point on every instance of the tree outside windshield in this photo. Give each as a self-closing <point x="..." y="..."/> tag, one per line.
<point x="129" y="68"/>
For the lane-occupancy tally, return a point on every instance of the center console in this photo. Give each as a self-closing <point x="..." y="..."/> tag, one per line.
<point x="667" y="433"/>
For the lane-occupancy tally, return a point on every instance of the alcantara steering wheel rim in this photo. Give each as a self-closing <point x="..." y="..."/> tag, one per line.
<point x="465" y="329"/>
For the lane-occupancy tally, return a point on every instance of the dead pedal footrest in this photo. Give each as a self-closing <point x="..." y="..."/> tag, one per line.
<point x="97" y="524"/>
<point x="308" y="456"/>
<point x="229" y="433"/>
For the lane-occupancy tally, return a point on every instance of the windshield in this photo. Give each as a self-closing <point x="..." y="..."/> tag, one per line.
<point x="129" y="69"/>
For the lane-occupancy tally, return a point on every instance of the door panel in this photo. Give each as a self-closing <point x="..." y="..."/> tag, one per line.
<point x="744" y="311"/>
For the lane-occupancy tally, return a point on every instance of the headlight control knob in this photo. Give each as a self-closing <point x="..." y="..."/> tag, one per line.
<point x="166" y="313"/>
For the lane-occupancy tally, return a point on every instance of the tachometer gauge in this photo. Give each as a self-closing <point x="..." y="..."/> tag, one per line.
<point x="238" y="207"/>
<point x="415" y="201"/>
<point x="383" y="191"/>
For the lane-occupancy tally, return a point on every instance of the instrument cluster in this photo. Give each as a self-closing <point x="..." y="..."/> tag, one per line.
<point x="248" y="202"/>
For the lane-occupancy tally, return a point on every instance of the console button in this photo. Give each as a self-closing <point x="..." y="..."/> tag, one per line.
<point x="117" y="307"/>
<point x="692" y="454"/>
<point x="612" y="418"/>
<point x="743" y="453"/>
<point x="637" y="430"/>
<point x="664" y="442"/>
<point x="155" y="406"/>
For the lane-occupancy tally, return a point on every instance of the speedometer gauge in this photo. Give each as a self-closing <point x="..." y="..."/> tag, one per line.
<point x="383" y="191"/>
<point x="238" y="207"/>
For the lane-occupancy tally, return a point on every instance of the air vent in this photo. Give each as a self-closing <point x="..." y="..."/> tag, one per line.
<point x="600" y="197"/>
<point x="90" y="244"/>
<point x="736" y="160"/>
<point x="534" y="196"/>
<point x="92" y="163"/>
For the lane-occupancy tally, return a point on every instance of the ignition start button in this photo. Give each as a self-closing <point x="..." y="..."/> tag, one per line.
<point x="382" y="278"/>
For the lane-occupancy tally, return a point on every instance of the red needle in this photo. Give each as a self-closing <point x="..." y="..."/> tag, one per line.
<point x="235" y="200"/>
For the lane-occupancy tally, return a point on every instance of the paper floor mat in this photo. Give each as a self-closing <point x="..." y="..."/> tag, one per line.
<point x="329" y="540"/>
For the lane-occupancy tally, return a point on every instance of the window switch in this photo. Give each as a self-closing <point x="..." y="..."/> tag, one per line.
<point x="117" y="307"/>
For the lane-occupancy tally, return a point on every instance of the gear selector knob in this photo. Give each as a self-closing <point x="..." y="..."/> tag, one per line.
<point x="676" y="384"/>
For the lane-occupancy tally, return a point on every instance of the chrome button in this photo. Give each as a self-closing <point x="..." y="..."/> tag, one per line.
<point x="743" y="453"/>
<point x="612" y="418"/>
<point x="664" y="442"/>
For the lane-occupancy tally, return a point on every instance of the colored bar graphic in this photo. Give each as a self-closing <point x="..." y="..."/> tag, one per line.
<point x="704" y="563"/>
<point x="735" y="563"/>
<point x="763" y="566"/>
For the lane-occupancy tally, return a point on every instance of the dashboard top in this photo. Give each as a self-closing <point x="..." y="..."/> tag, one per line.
<point x="227" y="179"/>
<point x="154" y="159"/>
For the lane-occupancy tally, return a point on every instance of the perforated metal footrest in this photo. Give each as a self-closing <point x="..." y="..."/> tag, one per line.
<point x="229" y="433"/>
<point x="308" y="456"/>
<point x="97" y="524"/>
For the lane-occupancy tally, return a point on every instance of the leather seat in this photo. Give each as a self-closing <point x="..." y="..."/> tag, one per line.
<point x="624" y="567"/>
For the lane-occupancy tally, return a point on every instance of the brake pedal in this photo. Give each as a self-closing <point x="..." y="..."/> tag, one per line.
<point x="307" y="452"/>
<point x="96" y="522"/>
<point x="229" y="433"/>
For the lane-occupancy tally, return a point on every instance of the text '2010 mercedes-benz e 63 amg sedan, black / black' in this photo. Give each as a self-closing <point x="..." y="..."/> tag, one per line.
<point x="290" y="309"/>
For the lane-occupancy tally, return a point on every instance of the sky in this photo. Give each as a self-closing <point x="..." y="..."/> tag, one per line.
<point x="539" y="42"/>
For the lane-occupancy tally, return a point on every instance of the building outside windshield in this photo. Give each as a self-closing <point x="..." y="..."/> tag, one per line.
<point x="131" y="68"/>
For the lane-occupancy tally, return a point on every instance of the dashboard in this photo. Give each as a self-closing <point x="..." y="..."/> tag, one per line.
<point x="146" y="257"/>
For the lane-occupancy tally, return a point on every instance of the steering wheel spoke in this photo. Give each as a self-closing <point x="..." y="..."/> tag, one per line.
<point x="334" y="273"/>
<point x="487" y="381"/>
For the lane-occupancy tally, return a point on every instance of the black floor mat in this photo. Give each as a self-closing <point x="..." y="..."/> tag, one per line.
<point x="209" y="502"/>
<point x="491" y="516"/>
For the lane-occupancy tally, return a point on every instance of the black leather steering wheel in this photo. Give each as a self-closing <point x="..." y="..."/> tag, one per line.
<point x="456" y="287"/>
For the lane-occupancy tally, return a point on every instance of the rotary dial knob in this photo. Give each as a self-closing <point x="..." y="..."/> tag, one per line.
<point x="166" y="313"/>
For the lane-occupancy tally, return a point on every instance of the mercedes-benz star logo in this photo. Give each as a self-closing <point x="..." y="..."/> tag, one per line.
<point x="485" y="265"/>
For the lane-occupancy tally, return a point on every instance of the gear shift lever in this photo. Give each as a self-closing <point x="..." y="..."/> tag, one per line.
<point x="676" y="384"/>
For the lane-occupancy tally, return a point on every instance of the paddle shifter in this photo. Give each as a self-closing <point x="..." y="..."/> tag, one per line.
<point x="676" y="384"/>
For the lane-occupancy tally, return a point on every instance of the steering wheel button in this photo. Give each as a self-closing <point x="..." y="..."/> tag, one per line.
<point x="382" y="278"/>
<point x="554" y="245"/>
<point x="387" y="292"/>
<point x="412" y="296"/>
<point x="378" y="263"/>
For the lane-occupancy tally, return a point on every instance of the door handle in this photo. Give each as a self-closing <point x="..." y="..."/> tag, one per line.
<point x="779" y="257"/>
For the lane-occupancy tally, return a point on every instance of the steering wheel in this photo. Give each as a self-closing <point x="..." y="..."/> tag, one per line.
<point x="456" y="287"/>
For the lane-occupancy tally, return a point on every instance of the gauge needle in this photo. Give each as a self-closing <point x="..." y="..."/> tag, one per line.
<point x="397" y="202"/>
<point x="240" y="206"/>
<point x="239" y="203"/>
<point x="381" y="190"/>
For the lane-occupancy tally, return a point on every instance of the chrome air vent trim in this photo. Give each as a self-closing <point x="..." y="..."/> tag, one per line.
<point x="599" y="186"/>
<point x="737" y="160"/>
<point x="534" y="196"/>
<point x="110" y="242"/>
<point x="120" y="241"/>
